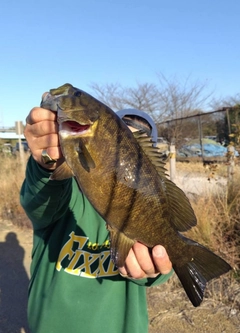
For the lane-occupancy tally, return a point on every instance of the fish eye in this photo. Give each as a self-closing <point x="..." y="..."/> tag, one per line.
<point x="78" y="93"/>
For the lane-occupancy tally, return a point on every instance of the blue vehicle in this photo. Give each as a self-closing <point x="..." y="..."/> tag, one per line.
<point x="24" y="145"/>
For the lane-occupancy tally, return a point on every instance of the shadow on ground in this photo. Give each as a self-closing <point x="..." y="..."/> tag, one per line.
<point x="13" y="286"/>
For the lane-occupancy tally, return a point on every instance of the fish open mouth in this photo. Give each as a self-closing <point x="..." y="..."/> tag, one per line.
<point x="74" y="127"/>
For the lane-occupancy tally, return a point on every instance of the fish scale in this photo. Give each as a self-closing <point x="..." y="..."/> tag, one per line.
<point x="124" y="178"/>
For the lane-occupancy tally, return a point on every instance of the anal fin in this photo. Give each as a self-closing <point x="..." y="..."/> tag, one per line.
<point x="120" y="246"/>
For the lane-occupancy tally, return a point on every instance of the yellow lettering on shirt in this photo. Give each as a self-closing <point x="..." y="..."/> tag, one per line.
<point x="86" y="262"/>
<point x="67" y="251"/>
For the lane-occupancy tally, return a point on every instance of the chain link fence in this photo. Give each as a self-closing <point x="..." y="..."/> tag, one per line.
<point x="204" y="136"/>
<point x="210" y="138"/>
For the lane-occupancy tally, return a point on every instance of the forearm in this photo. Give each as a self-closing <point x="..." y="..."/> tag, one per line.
<point x="43" y="200"/>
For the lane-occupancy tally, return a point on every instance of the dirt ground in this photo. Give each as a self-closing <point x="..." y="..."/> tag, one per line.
<point x="169" y="311"/>
<point x="15" y="257"/>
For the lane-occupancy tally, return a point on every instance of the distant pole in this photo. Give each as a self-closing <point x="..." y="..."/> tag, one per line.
<point x="231" y="161"/>
<point x="172" y="162"/>
<point x="200" y="136"/>
<point x="19" y="132"/>
<point x="228" y="121"/>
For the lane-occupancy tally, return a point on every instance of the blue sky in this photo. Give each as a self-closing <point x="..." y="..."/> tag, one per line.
<point x="48" y="43"/>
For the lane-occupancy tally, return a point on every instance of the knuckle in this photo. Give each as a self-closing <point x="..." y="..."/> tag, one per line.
<point x="139" y="276"/>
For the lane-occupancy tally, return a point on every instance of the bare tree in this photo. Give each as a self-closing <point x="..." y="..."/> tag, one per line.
<point x="229" y="101"/>
<point x="180" y="99"/>
<point x="144" y="97"/>
<point x="110" y="94"/>
<point x="169" y="99"/>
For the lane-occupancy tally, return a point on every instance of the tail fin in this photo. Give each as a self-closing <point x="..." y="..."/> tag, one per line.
<point x="204" y="266"/>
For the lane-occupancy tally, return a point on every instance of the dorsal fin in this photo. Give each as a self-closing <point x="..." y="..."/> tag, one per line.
<point x="182" y="214"/>
<point x="153" y="154"/>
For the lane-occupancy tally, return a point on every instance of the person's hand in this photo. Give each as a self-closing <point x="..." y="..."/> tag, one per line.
<point x="41" y="133"/>
<point x="140" y="263"/>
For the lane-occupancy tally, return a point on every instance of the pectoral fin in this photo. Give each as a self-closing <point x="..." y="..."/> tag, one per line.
<point x="62" y="172"/>
<point x="85" y="158"/>
<point x="120" y="246"/>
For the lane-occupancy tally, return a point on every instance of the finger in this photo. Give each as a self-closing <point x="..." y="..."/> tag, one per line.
<point x="41" y="132"/>
<point x="44" y="141"/>
<point x="161" y="259"/>
<point x="132" y="266"/>
<point x="144" y="259"/>
<point x="55" y="152"/>
<point x="122" y="270"/>
<point x="41" y="129"/>
<point x="38" y="114"/>
<point x="50" y="143"/>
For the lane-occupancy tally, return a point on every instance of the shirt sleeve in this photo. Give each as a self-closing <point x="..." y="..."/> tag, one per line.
<point x="151" y="282"/>
<point x="44" y="200"/>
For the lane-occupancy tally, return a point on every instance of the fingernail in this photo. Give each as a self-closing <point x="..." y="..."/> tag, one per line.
<point x="159" y="251"/>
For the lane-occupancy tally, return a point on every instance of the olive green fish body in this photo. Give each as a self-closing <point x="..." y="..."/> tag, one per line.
<point x="122" y="183"/>
<point x="124" y="178"/>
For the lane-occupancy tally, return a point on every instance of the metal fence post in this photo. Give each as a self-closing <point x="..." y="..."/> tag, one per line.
<point x="231" y="162"/>
<point x="19" y="131"/>
<point x="172" y="162"/>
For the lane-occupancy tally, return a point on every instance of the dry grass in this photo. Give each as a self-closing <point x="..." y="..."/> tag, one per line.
<point x="11" y="178"/>
<point x="218" y="215"/>
<point x="218" y="228"/>
<point x="199" y="168"/>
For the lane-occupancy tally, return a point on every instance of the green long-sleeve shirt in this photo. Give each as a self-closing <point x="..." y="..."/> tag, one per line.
<point x="74" y="285"/>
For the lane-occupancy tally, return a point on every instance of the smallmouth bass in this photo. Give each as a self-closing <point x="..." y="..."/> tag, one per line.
<point x="124" y="178"/>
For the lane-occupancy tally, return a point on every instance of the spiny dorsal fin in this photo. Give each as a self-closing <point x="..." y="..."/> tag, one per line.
<point x="182" y="214"/>
<point x="153" y="154"/>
